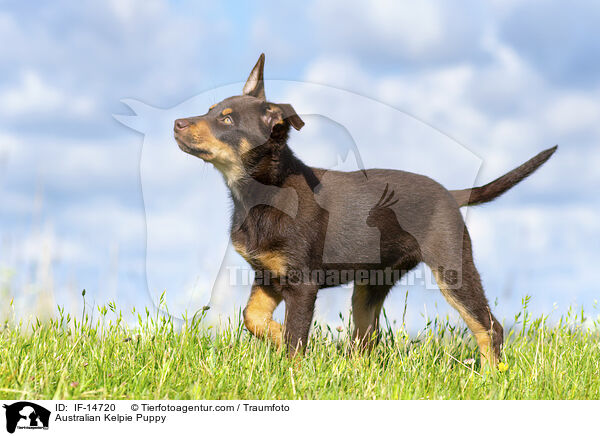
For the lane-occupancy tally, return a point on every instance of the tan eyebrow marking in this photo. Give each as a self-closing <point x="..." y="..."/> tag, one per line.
<point x="212" y="106"/>
<point x="226" y="111"/>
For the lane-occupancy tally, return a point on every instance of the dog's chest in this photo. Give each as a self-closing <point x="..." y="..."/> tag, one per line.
<point x="260" y="257"/>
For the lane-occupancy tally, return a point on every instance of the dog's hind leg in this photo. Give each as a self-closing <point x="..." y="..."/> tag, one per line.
<point x="463" y="290"/>
<point x="367" y="301"/>
<point x="258" y="314"/>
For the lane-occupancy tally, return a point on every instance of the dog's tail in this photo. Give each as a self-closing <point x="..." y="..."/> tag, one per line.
<point x="485" y="193"/>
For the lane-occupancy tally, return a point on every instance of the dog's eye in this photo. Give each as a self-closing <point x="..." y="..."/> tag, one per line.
<point x="227" y="120"/>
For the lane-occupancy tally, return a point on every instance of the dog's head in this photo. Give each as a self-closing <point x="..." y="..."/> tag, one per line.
<point x="238" y="127"/>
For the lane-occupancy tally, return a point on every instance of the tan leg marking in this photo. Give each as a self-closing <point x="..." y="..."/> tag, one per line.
<point x="482" y="335"/>
<point x="273" y="261"/>
<point x="258" y="315"/>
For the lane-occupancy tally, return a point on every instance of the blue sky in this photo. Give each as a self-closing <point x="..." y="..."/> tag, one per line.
<point x="493" y="82"/>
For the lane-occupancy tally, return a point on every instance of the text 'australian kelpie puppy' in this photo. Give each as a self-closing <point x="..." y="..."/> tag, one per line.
<point x="369" y="226"/>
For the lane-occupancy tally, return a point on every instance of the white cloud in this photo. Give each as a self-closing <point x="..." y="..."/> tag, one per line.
<point x="548" y="239"/>
<point x="45" y="242"/>
<point x="129" y="11"/>
<point x="16" y="205"/>
<point x="412" y="27"/>
<point x="8" y="145"/>
<point x="387" y="31"/>
<point x="344" y="71"/>
<point x="571" y="113"/>
<point x="33" y="96"/>
<point x="122" y="224"/>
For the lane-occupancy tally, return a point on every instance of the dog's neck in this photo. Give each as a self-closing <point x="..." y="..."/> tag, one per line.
<point x="265" y="169"/>
<point x="265" y="181"/>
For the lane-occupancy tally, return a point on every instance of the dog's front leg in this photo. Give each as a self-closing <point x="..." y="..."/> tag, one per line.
<point x="258" y="314"/>
<point x="299" y="309"/>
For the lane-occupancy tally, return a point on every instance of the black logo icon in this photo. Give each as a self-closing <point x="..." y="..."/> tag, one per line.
<point x="26" y="415"/>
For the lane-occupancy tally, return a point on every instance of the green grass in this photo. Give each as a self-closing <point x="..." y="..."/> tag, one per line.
<point x="107" y="359"/>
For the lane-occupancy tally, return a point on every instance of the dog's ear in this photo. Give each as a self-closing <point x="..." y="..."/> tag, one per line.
<point x="276" y="114"/>
<point x="255" y="85"/>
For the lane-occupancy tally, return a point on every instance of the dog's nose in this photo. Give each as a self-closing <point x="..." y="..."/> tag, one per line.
<point x="181" y="124"/>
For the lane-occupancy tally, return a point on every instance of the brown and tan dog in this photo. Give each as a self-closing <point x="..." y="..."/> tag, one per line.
<point x="329" y="241"/>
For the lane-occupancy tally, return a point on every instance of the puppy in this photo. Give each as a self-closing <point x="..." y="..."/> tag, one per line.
<point x="370" y="226"/>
